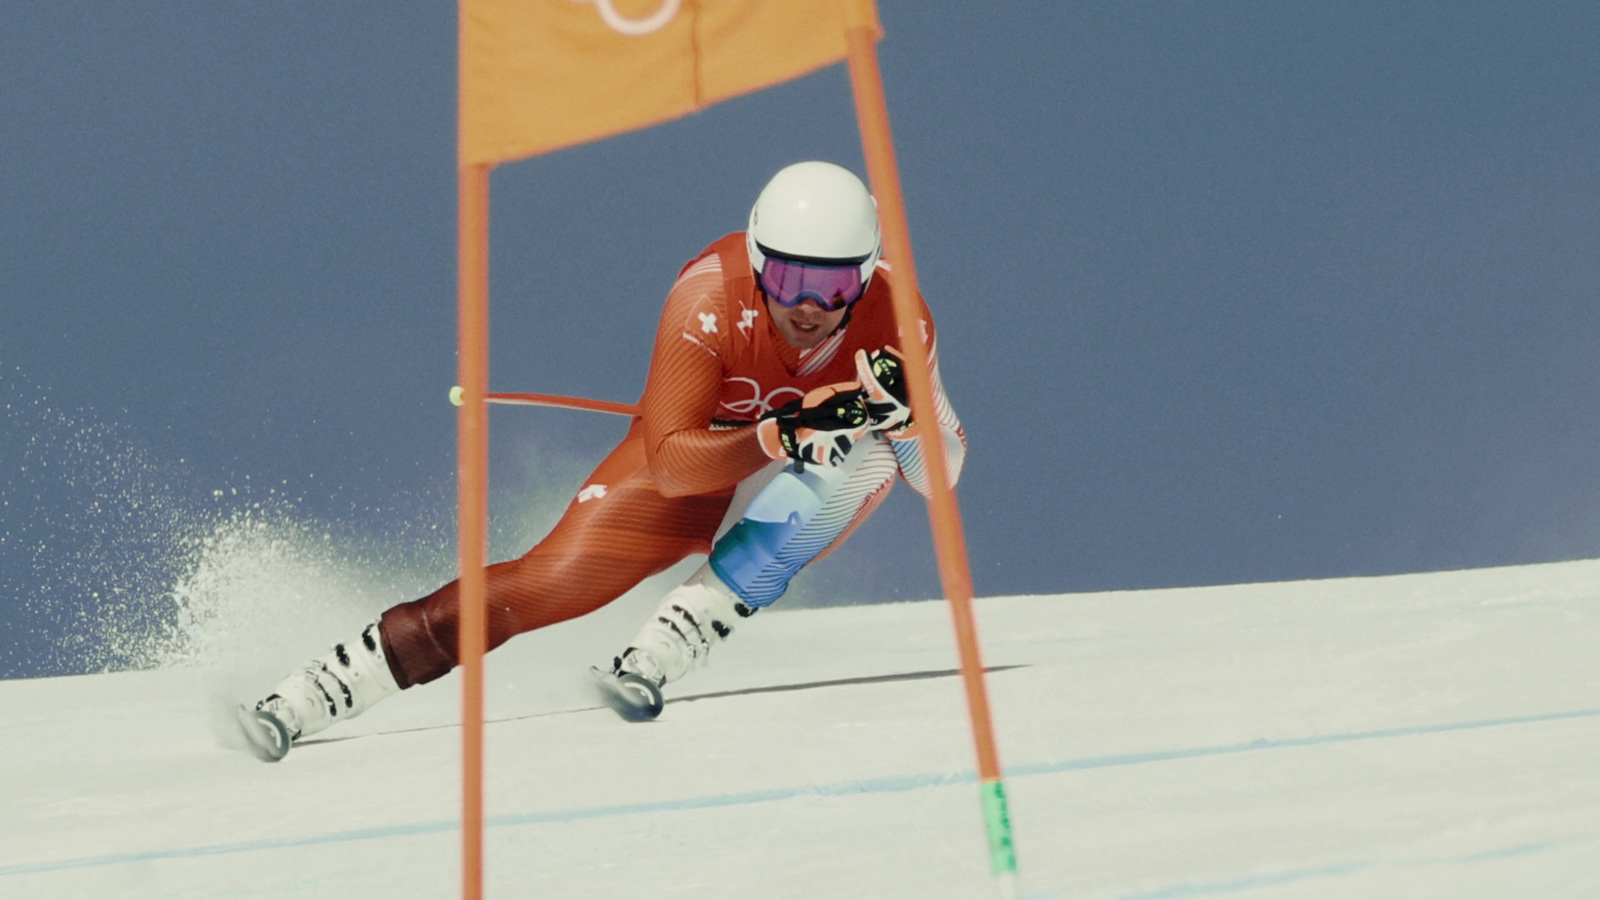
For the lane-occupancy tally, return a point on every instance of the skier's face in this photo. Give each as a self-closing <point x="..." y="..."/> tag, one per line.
<point x="805" y="325"/>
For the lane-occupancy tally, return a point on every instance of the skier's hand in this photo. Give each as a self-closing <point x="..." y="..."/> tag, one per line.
<point x="883" y="386"/>
<point x="819" y="428"/>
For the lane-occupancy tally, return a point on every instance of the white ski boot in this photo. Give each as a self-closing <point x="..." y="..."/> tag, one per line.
<point x="690" y="619"/>
<point x="339" y="685"/>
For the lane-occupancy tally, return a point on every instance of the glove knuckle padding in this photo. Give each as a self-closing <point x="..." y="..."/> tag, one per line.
<point x="885" y="390"/>
<point x="818" y="428"/>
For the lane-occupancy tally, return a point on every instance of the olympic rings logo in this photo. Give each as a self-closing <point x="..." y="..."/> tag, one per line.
<point x="639" y="27"/>
<point x="758" y="404"/>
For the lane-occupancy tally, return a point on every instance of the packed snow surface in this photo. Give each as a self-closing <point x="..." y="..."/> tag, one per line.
<point x="1412" y="736"/>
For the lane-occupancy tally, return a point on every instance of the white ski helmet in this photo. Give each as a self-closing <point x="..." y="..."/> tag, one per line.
<point x="818" y="213"/>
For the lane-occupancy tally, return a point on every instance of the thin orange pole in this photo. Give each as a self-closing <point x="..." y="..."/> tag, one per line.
<point x="605" y="406"/>
<point x="472" y="476"/>
<point x="955" y="574"/>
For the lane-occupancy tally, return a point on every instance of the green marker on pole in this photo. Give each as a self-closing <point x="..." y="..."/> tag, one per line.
<point x="1002" y="853"/>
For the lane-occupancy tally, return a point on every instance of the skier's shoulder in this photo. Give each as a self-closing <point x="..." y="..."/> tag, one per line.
<point x="708" y="300"/>
<point x="724" y="252"/>
<point x="874" y="318"/>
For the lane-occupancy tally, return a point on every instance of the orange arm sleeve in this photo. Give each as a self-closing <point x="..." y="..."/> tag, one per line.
<point x="685" y="456"/>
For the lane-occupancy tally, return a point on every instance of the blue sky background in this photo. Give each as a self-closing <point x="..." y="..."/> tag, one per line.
<point x="1227" y="292"/>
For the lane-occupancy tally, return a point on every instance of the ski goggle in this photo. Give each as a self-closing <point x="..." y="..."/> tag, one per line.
<point x="832" y="287"/>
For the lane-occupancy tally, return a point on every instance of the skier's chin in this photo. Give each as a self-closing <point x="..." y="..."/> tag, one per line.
<point x="806" y="335"/>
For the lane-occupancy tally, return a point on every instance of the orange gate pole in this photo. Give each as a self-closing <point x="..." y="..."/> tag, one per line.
<point x="955" y="574"/>
<point x="472" y="476"/>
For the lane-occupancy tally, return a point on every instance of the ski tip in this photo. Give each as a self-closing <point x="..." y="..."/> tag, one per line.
<point x="264" y="733"/>
<point x="629" y="696"/>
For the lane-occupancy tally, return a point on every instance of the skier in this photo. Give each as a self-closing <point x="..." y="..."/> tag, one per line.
<point x="775" y="401"/>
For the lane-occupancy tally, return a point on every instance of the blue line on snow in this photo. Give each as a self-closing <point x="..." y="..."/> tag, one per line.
<point x="1264" y="744"/>
<point x="1251" y="882"/>
<point x="888" y="785"/>
<point x="1248" y="882"/>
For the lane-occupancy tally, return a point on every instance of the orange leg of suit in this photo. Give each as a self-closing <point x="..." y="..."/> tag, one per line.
<point x="602" y="547"/>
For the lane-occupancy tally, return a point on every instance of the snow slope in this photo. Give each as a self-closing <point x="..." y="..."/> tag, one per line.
<point x="1413" y="736"/>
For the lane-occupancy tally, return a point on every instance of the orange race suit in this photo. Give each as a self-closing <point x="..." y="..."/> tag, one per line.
<point x="662" y="494"/>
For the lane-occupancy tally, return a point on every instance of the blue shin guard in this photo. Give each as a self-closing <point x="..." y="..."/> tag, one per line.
<point x="758" y="556"/>
<point x="796" y="517"/>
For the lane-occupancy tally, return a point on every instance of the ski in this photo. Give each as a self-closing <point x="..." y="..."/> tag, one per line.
<point x="629" y="696"/>
<point x="264" y="733"/>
